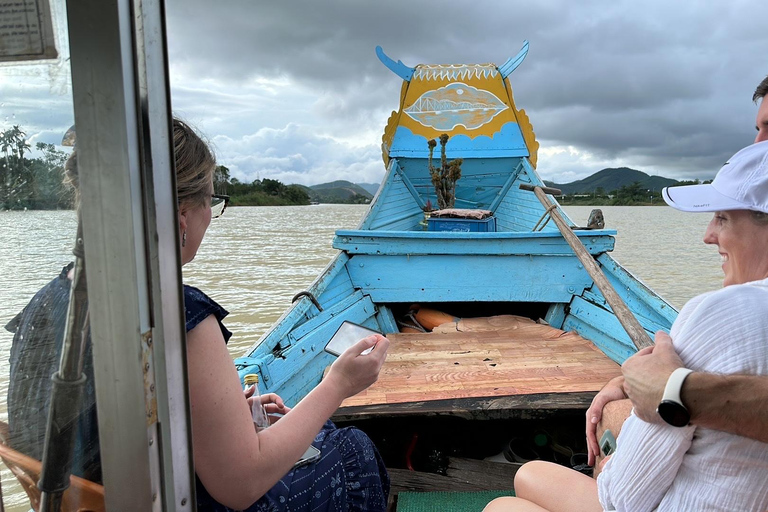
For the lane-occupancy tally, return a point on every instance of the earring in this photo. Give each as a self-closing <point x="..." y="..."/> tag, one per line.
<point x="184" y="238"/>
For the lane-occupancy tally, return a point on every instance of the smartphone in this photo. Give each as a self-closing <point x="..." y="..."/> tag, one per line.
<point x="347" y="335"/>
<point x="607" y="443"/>
<point x="311" y="455"/>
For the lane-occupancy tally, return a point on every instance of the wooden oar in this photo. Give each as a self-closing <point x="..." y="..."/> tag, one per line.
<point x="636" y="332"/>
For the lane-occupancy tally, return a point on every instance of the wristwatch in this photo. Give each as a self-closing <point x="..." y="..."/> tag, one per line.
<point x="671" y="408"/>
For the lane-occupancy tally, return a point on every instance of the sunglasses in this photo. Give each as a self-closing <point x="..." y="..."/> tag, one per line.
<point x="219" y="203"/>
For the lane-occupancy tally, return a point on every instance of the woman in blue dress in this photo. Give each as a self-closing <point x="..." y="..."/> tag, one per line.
<point x="237" y="468"/>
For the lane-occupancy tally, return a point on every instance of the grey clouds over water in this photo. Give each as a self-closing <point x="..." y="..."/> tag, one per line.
<point x="293" y="90"/>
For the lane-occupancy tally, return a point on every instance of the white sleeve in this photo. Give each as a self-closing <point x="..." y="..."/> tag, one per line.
<point x="722" y="332"/>
<point x="646" y="461"/>
<point x="727" y="332"/>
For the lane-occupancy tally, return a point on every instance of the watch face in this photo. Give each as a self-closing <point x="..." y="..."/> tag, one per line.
<point x="674" y="413"/>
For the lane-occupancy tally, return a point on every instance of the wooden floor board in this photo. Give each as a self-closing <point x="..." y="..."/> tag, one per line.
<point x="452" y="367"/>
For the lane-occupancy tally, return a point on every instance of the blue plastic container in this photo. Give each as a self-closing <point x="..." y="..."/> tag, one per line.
<point x="461" y="225"/>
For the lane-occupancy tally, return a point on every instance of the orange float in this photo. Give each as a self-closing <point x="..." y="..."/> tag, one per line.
<point x="431" y="318"/>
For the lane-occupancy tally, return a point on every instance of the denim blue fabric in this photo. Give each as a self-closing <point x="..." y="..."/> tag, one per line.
<point x="349" y="475"/>
<point x="198" y="306"/>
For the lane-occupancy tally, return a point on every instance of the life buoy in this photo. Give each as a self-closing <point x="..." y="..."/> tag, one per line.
<point x="431" y="318"/>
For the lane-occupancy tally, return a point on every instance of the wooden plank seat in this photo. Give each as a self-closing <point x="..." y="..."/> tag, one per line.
<point x="480" y="366"/>
<point x="82" y="495"/>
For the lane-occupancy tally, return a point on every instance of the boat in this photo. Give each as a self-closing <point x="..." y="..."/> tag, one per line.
<point x="528" y="333"/>
<point x="515" y="292"/>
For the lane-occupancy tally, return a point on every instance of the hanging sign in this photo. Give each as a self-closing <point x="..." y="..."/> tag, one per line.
<point x="26" y="31"/>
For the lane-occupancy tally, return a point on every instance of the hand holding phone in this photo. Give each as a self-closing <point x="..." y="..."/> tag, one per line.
<point x="347" y="335"/>
<point x="361" y="354"/>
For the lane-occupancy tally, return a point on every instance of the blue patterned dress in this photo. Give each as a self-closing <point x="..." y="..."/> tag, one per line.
<point x="349" y="475"/>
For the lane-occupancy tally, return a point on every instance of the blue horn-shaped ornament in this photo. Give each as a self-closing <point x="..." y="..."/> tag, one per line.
<point x="397" y="68"/>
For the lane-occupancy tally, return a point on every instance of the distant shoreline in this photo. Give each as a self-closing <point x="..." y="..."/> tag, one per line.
<point x="562" y="203"/>
<point x="608" y="202"/>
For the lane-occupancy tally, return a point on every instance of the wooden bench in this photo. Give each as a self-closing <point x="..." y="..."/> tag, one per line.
<point x="82" y="495"/>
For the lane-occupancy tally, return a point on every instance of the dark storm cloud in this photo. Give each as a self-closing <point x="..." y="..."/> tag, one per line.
<point x="657" y="85"/>
<point x="661" y="86"/>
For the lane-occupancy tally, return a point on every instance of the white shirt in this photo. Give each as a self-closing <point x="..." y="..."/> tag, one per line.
<point x="660" y="467"/>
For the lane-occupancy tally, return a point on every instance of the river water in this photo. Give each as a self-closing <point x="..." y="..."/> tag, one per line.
<point x="254" y="259"/>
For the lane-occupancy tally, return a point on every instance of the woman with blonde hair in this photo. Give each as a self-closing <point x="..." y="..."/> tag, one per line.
<point x="237" y="467"/>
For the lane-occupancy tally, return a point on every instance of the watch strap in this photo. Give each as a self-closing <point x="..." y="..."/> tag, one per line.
<point x="675" y="385"/>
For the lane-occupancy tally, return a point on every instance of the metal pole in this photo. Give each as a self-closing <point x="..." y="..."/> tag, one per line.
<point x="66" y="390"/>
<point x="125" y="159"/>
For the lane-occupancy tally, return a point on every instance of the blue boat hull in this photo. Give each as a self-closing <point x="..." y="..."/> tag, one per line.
<point x="392" y="260"/>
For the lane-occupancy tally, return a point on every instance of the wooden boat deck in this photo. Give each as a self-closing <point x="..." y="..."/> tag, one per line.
<point x="484" y="367"/>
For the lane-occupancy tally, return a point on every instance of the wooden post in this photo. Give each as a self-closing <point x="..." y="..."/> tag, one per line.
<point x="637" y="334"/>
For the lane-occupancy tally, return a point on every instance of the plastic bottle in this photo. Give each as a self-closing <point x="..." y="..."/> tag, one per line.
<point x="258" y="413"/>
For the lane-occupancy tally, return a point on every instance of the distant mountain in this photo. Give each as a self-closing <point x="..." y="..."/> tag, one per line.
<point x="613" y="179"/>
<point x="372" y="188"/>
<point x="339" y="192"/>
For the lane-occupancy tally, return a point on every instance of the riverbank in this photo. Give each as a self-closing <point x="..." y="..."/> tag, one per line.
<point x="605" y="201"/>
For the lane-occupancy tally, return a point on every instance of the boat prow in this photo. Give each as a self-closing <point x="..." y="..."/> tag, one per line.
<point x="532" y="332"/>
<point x="394" y="259"/>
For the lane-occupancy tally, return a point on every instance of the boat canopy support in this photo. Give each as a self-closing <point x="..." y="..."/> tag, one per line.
<point x="66" y="390"/>
<point x="130" y="229"/>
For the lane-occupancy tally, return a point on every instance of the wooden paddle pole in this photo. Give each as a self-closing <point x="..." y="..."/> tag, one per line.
<point x="636" y="332"/>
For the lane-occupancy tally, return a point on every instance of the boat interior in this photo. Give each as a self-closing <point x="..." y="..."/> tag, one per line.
<point x="498" y="334"/>
<point x="483" y="367"/>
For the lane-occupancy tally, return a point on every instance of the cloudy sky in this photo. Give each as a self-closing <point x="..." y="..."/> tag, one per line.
<point x="292" y="90"/>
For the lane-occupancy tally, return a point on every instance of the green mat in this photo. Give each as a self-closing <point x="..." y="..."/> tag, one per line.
<point x="446" y="501"/>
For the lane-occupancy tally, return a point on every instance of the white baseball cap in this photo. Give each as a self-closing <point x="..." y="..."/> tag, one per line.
<point x="740" y="184"/>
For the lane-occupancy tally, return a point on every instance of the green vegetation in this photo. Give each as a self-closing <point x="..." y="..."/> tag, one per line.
<point x="36" y="183"/>
<point x="445" y="176"/>
<point x="634" y="194"/>
<point x="269" y="192"/>
<point x="340" y="191"/>
<point x="613" y="179"/>
<point x="371" y="188"/>
<point x="31" y="183"/>
<point x="264" y="192"/>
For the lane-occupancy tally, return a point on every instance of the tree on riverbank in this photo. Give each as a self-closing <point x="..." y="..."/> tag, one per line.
<point x="31" y="183"/>
<point x="628" y="195"/>
<point x="264" y="192"/>
<point x="36" y="183"/>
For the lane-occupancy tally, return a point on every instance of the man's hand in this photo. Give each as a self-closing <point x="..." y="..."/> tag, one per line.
<point x="610" y="392"/>
<point x="646" y="374"/>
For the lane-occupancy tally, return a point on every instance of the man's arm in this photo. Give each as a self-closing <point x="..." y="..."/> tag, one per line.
<point x="614" y="415"/>
<point x="732" y="403"/>
<point x="599" y="418"/>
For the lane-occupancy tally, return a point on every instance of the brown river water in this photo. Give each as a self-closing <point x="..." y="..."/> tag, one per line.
<point x="254" y="259"/>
